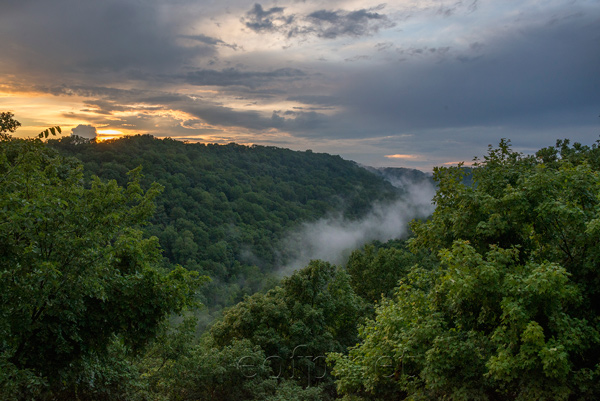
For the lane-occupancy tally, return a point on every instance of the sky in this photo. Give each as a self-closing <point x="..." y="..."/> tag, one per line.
<point x="402" y="84"/>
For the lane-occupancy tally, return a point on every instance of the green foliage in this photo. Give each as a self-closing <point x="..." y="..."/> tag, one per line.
<point x="225" y="208"/>
<point x="52" y="130"/>
<point x="289" y="390"/>
<point x="313" y="312"/>
<point x="512" y="310"/>
<point x="236" y="371"/>
<point x="180" y="367"/>
<point x="77" y="276"/>
<point x="375" y="270"/>
<point x="497" y="297"/>
<point x="7" y="125"/>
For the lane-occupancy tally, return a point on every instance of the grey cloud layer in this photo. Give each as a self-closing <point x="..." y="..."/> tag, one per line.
<point x="84" y="131"/>
<point x="331" y="24"/>
<point x="533" y="74"/>
<point x="259" y="19"/>
<point x="234" y="76"/>
<point x="68" y="36"/>
<point x="544" y="75"/>
<point x="110" y="100"/>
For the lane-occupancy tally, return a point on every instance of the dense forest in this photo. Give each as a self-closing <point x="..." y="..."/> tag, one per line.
<point x="224" y="210"/>
<point x="103" y="265"/>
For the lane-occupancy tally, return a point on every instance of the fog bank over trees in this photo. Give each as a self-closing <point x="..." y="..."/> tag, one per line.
<point x="334" y="237"/>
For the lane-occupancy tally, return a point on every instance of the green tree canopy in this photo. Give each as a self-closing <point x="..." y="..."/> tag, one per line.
<point x="226" y="208"/>
<point x="512" y="310"/>
<point x="375" y="270"/>
<point x="76" y="273"/>
<point x="313" y="312"/>
<point x="7" y="124"/>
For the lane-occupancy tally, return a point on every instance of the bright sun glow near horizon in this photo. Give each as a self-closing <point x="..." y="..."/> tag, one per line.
<point x="107" y="134"/>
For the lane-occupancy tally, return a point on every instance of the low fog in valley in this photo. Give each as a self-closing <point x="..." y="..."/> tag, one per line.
<point x="333" y="238"/>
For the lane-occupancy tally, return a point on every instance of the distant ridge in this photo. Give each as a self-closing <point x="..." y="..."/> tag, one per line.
<point x="400" y="177"/>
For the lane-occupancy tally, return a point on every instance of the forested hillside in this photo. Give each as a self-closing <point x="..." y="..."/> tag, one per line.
<point x="224" y="209"/>
<point x="494" y="297"/>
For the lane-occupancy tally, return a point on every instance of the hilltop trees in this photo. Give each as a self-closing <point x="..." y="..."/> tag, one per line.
<point x="78" y="280"/>
<point x="7" y="124"/>
<point x="513" y="309"/>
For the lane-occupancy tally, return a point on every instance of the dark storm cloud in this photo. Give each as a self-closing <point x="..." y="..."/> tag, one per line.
<point x="328" y="24"/>
<point x="260" y="20"/>
<point x="331" y="24"/>
<point x="69" y="36"/>
<point x="544" y="75"/>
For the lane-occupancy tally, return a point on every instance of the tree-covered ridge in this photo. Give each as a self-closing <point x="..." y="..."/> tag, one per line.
<point x="401" y="175"/>
<point x="224" y="208"/>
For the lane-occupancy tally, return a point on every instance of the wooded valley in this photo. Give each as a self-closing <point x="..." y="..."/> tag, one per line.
<point x="149" y="269"/>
